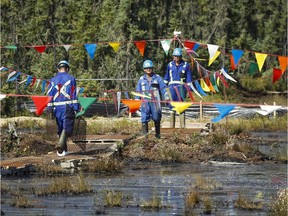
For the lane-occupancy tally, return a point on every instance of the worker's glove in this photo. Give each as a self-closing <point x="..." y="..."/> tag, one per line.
<point x="155" y="85"/>
<point x="166" y="96"/>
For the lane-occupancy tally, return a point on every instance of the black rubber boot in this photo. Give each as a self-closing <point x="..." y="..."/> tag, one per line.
<point x="157" y="130"/>
<point x="144" y="128"/>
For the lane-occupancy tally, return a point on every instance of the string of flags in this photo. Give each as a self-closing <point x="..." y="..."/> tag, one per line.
<point x="134" y="105"/>
<point x="235" y="55"/>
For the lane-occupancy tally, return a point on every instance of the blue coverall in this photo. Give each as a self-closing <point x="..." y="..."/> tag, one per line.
<point x="62" y="88"/>
<point x="151" y="109"/>
<point x="177" y="76"/>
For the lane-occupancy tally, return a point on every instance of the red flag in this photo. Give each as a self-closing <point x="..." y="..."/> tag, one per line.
<point x="40" y="103"/>
<point x="189" y="44"/>
<point x="141" y="46"/>
<point x="33" y="81"/>
<point x="133" y="105"/>
<point x="189" y="91"/>
<point x="222" y="79"/>
<point x="40" y="49"/>
<point x="277" y="73"/>
<point x="233" y="66"/>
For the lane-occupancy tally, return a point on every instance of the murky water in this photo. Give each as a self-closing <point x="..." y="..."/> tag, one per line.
<point x="170" y="183"/>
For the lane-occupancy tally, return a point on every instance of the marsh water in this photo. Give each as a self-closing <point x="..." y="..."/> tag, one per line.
<point x="142" y="182"/>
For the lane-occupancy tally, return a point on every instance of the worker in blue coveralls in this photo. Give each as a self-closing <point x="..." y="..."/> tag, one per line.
<point x="64" y="103"/>
<point x="177" y="73"/>
<point x="153" y="86"/>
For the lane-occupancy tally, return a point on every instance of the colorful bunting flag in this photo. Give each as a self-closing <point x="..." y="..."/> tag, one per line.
<point x="283" y="61"/>
<point x="223" y="110"/>
<point x="2" y="96"/>
<point x="11" y="47"/>
<point x="227" y="75"/>
<point x="41" y="103"/>
<point x="199" y="89"/>
<point x="166" y="45"/>
<point x="233" y="66"/>
<point x="133" y="105"/>
<point x="194" y="89"/>
<point x="213" y="52"/>
<point x="40" y="49"/>
<point x="85" y="103"/>
<point x="141" y="46"/>
<point x="260" y="57"/>
<point x="67" y="47"/>
<point x="266" y="109"/>
<point x="237" y="54"/>
<point x="204" y="86"/>
<point x="91" y="49"/>
<point x="180" y="107"/>
<point x="253" y="68"/>
<point x="140" y="95"/>
<point x="277" y="73"/>
<point x="115" y="46"/>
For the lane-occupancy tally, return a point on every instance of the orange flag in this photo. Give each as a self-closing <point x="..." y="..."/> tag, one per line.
<point x="283" y="61"/>
<point x="141" y="46"/>
<point x="40" y="103"/>
<point x="133" y="105"/>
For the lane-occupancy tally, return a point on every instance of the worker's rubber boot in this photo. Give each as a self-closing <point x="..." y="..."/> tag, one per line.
<point x="172" y="119"/>
<point x="182" y="120"/>
<point x="145" y="128"/>
<point x="157" y="129"/>
<point x="62" y="145"/>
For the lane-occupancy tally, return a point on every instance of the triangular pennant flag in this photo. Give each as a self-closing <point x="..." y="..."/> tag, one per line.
<point x="40" y="49"/>
<point x="189" y="44"/>
<point x="10" y="75"/>
<point x="115" y="46"/>
<point x="265" y="109"/>
<point x="223" y="110"/>
<point x="67" y="47"/>
<point x="2" y="96"/>
<point x="227" y="75"/>
<point x="180" y="107"/>
<point x="260" y="57"/>
<point x="283" y="61"/>
<point x="208" y="83"/>
<point x="194" y="89"/>
<point x="222" y="79"/>
<point x="40" y="103"/>
<point x="253" y="68"/>
<point x="214" y="57"/>
<point x="212" y="52"/>
<point x="189" y="91"/>
<point x="237" y="54"/>
<point x="277" y="73"/>
<point x="85" y="102"/>
<point x="196" y="46"/>
<point x="204" y="86"/>
<point x="91" y="48"/>
<point x="133" y="105"/>
<point x="199" y="89"/>
<point x="28" y="81"/>
<point x="11" y="47"/>
<point x="43" y="85"/>
<point x="14" y="77"/>
<point x="141" y="46"/>
<point x="213" y="82"/>
<point x="33" y="81"/>
<point x="233" y="66"/>
<point x="166" y="45"/>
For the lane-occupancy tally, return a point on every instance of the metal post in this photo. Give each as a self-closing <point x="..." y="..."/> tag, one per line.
<point x="201" y="111"/>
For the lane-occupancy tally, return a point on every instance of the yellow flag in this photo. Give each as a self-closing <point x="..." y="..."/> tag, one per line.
<point x="180" y="107"/>
<point x="115" y="45"/>
<point x="204" y="85"/>
<point x="140" y="95"/>
<point x="211" y="60"/>
<point x="260" y="57"/>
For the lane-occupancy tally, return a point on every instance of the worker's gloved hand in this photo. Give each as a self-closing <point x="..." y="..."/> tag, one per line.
<point x="155" y="85"/>
<point x="166" y="96"/>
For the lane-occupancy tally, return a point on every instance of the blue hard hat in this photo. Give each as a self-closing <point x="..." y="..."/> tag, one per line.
<point x="148" y="64"/>
<point x="63" y="63"/>
<point x="177" y="52"/>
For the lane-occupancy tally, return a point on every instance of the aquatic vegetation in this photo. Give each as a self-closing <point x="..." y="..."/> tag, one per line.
<point x="102" y="165"/>
<point x="244" y="203"/>
<point x="153" y="203"/>
<point x="113" y="198"/>
<point x="65" y="185"/>
<point x="207" y="202"/>
<point x="192" y="199"/>
<point x="21" y="201"/>
<point x="280" y="206"/>
<point x="206" y="183"/>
